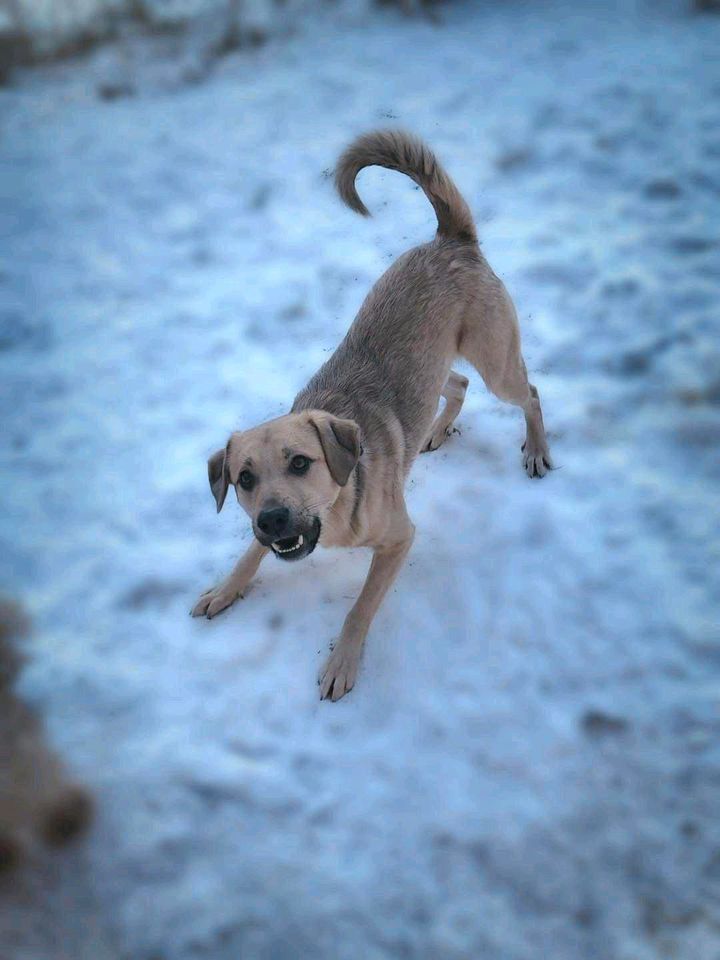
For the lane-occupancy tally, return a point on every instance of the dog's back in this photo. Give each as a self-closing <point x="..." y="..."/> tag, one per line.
<point x="396" y="356"/>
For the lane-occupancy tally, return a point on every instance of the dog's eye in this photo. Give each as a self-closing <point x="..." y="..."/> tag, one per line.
<point x="246" y="480"/>
<point x="299" y="464"/>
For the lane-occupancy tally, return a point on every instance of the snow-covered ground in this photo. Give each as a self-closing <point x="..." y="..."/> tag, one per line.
<point x="529" y="765"/>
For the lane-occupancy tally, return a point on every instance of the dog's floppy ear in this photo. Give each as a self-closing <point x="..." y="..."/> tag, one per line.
<point x="218" y="476"/>
<point x="340" y="441"/>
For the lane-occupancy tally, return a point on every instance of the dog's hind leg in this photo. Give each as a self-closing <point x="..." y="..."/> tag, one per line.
<point x="490" y="340"/>
<point x="454" y="393"/>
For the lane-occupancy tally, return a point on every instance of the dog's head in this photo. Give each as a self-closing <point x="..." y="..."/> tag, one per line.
<point x="287" y="474"/>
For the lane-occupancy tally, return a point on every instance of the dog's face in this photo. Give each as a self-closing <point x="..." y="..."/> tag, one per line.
<point x="287" y="474"/>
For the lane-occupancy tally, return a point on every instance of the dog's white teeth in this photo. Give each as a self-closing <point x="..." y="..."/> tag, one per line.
<point x="296" y="546"/>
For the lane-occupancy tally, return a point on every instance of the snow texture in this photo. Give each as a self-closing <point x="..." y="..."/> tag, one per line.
<point x="529" y="765"/>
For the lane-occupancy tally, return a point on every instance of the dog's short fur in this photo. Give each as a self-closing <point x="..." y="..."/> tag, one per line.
<point x="37" y="799"/>
<point x="333" y="470"/>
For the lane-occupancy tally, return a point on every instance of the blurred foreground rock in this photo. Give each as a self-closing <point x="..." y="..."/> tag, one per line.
<point x="39" y="803"/>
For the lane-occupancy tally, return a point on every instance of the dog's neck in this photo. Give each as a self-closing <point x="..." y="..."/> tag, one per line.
<point x="342" y="526"/>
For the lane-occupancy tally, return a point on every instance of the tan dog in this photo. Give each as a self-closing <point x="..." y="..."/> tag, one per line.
<point x="332" y="471"/>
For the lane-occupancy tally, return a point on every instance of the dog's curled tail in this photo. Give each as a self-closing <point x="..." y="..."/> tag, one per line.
<point x="401" y="151"/>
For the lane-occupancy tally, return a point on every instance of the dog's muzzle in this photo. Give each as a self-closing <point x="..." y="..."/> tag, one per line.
<point x="295" y="545"/>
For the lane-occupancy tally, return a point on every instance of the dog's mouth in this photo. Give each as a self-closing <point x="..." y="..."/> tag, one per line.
<point x="299" y="546"/>
<point x="288" y="546"/>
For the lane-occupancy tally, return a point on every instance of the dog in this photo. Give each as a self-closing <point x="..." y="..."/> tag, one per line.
<point x="38" y="801"/>
<point x="333" y="470"/>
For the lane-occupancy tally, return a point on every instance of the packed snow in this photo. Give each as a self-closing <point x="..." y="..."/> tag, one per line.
<point x="529" y="764"/>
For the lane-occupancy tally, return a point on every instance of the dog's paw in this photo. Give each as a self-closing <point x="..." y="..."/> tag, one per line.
<point x="215" y="601"/>
<point x="536" y="460"/>
<point x="437" y="438"/>
<point x="338" y="675"/>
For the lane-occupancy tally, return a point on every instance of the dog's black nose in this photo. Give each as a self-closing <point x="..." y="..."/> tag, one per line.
<point x="275" y="522"/>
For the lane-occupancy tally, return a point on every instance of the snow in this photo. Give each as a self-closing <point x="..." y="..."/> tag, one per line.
<point x="528" y="765"/>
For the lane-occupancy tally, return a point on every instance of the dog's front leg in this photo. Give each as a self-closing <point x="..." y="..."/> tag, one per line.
<point x="226" y="593"/>
<point x="338" y="675"/>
